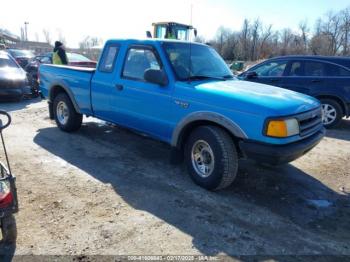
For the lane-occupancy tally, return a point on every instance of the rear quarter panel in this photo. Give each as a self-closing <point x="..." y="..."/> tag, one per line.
<point x="74" y="80"/>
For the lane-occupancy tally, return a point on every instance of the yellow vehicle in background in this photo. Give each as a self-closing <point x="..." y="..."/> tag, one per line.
<point x="172" y="30"/>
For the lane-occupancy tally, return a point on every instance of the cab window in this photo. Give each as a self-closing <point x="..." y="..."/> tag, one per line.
<point x="273" y="69"/>
<point x="108" y="59"/>
<point x="137" y="61"/>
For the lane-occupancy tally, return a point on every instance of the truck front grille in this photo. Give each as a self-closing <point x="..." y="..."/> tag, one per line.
<point x="310" y="122"/>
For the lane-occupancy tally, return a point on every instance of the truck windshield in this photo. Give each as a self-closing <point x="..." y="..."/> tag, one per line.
<point x="196" y="62"/>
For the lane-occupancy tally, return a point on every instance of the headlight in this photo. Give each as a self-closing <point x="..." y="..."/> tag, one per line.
<point x="282" y="128"/>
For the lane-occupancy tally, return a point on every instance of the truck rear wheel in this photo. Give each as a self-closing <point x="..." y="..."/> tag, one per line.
<point x="211" y="157"/>
<point x="67" y="119"/>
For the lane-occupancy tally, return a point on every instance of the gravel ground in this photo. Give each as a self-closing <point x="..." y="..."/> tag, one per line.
<point x="105" y="190"/>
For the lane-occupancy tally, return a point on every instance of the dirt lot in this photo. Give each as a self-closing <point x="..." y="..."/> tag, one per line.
<point x="106" y="190"/>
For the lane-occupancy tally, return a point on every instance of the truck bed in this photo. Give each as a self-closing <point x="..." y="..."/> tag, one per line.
<point x="74" y="68"/>
<point x="76" y="78"/>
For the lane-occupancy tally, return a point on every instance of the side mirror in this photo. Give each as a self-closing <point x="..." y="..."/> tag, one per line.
<point x="195" y="32"/>
<point x="251" y="75"/>
<point x="148" y="34"/>
<point x="156" y="77"/>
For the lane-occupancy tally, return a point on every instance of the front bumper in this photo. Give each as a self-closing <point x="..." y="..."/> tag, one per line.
<point x="11" y="93"/>
<point x="279" y="154"/>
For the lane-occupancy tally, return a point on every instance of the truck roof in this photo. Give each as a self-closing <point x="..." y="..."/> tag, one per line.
<point x="150" y="41"/>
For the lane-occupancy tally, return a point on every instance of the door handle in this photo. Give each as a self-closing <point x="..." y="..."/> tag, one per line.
<point x="274" y="80"/>
<point x="315" y="81"/>
<point x="119" y="87"/>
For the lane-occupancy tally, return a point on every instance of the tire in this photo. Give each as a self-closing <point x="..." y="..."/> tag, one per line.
<point x="33" y="84"/>
<point x="332" y="112"/>
<point x="67" y="119"/>
<point x="9" y="229"/>
<point x="219" y="152"/>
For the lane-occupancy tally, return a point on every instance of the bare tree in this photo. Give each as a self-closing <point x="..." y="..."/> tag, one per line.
<point x="222" y="35"/>
<point x="255" y="38"/>
<point x="88" y="42"/>
<point x="47" y="36"/>
<point x="320" y="45"/>
<point x="265" y="37"/>
<point x="199" y="39"/>
<point x="304" y="29"/>
<point x="244" y="40"/>
<point x="287" y="38"/>
<point x="332" y="28"/>
<point x="330" y="36"/>
<point x="346" y="30"/>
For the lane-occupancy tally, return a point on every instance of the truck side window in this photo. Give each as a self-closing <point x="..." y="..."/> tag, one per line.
<point x="138" y="60"/>
<point x="109" y="58"/>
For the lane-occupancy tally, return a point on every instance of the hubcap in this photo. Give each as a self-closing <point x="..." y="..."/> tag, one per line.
<point x="329" y="114"/>
<point x="62" y="113"/>
<point x="202" y="158"/>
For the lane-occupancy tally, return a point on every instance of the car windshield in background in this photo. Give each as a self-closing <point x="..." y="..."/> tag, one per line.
<point x="22" y="53"/>
<point x="205" y="61"/>
<point x="5" y="61"/>
<point x="77" y="58"/>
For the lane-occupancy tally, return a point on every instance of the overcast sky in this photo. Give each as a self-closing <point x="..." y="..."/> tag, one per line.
<point x="130" y="18"/>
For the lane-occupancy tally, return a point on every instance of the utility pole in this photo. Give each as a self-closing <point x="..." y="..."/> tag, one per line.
<point x="26" y="29"/>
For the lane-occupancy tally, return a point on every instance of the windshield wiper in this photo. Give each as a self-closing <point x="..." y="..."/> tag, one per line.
<point x="228" y="77"/>
<point x="202" y="77"/>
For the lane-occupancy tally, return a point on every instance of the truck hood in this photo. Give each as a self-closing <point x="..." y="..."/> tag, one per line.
<point x="277" y="101"/>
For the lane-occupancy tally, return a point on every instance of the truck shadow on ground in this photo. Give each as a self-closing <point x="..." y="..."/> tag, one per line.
<point x="340" y="132"/>
<point x="266" y="210"/>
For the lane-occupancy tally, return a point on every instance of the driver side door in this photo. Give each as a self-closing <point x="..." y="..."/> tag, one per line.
<point x="137" y="103"/>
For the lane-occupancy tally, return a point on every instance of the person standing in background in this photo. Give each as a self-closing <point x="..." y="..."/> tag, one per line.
<point x="59" y="56"/>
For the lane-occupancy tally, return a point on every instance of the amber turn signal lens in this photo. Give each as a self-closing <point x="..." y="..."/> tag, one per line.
<point x="283" y="128"/>
<point x="277" y="129"/>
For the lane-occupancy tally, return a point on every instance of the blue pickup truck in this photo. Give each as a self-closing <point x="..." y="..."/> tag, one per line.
<point x="185" y="95"/>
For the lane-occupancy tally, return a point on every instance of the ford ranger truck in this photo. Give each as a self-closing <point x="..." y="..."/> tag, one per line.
<point x="185" y="95"/>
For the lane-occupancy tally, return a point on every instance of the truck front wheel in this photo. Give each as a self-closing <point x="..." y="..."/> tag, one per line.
<point x="211" y="157"/>
<point x="67" y="119"/>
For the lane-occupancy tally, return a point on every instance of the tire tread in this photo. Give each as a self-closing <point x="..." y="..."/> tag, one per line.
<point x="229" y="153"/>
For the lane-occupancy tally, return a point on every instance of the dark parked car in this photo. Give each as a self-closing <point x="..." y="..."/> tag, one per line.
<point x="326" y="78"/>
<point x="22" y="56"/>
<point x="13" y="79"/>
<point x="32" y="70"/>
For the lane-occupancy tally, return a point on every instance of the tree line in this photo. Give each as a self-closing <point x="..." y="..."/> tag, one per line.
<point x="330" y="36"/>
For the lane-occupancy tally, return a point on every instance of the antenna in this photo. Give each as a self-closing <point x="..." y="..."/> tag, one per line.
<point x="190" y="38"/>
